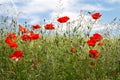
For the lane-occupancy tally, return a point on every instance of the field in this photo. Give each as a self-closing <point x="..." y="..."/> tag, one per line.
<point x="47" y="56"/>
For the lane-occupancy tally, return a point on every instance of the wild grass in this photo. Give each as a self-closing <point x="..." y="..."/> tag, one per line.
<point x="51" y="59"/>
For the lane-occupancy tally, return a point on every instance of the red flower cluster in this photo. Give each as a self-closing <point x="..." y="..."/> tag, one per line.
<point x="96" y="15"/>
<point x="36" y="27"/>
<point x="93" y="54"/>
<point x="35" y="36"/>
<point x="96" y="37"/>
<point x="16" y="55"/>
<point x="92" y="42"/>
<point x="10" y="40"/>
<point x="27" y="35"/>
<point x="13" y="45"/>
<point x="49" y="26"/>
<point x="93" y="39"/>
<point x="30" y="36"/>
<point x="12" y="36"/>
<point x="63" y="19"/>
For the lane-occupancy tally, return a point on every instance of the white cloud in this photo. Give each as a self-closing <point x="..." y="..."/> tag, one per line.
<point x="3" y="1"/>
<point x="34" y="8"/>
<point x="97" y="7"/>
<point x="8" y="1"/>
<point x="37" y="6"/>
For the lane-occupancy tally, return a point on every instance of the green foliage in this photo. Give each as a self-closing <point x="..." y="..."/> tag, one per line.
<point x="50" y="59"/>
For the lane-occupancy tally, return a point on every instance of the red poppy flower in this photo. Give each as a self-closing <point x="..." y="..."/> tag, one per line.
<point x="13" y="44"/>
<point x="49" y="26"/>
<point x="12" y="36"/>
<point x="8" y="40"/>
<point x="96" y="37"/>
<point x="16" y="55"/>
<point x="31" y="36"/>
<point x="91" y="42"/>
<point x="72" y="49"/>
<point x="34" y="36"/>
<point x="25" y="37"/>
<point x="63" y="19"/>
<point x="96" y="15"/>
<point x="23" y="29"/>
<point x="36" y="27"/>
<point x="93" y="54"/>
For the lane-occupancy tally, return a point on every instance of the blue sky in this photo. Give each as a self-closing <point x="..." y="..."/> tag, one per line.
<point x="35" y="11"/>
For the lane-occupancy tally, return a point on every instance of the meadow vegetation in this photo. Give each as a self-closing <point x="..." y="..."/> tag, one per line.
<point x="37" y="54"/>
